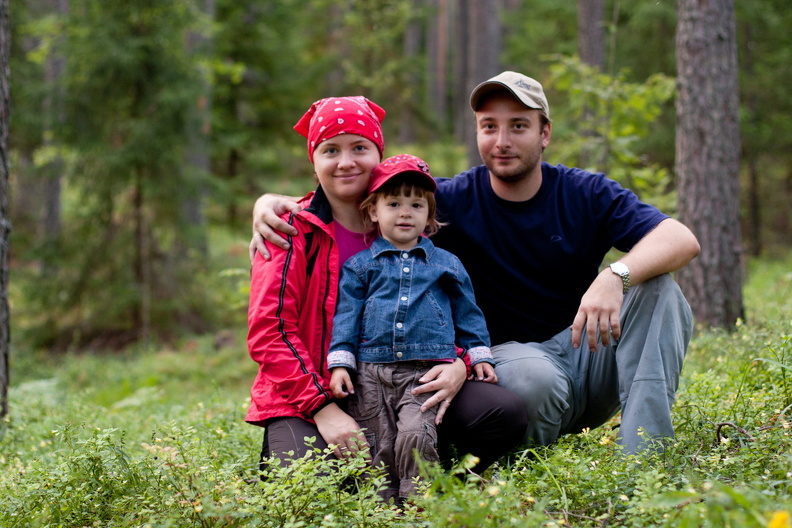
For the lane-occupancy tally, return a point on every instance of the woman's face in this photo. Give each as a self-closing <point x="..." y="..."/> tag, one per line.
<point x="343" y="165"/>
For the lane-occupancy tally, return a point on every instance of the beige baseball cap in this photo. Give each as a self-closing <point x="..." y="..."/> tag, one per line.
<point x="527" y="90"/>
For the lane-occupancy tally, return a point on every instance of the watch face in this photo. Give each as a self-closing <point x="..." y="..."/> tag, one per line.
<point x="619" y="268"/>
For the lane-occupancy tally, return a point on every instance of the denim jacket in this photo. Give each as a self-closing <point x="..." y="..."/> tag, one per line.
<point x="399" y="305"/>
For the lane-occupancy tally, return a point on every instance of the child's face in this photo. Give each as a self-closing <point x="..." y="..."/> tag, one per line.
<point x="401" y="219"/>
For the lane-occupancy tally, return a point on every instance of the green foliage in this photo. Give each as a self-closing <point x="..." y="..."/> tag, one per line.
<point x="116" y="123"/>
<point x="157" y="439"/>
<point x="609" y="117"/>
<point x="319" y="491"/>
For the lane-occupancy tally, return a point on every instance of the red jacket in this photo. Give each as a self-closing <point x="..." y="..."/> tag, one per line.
<point x="290" y="317"/>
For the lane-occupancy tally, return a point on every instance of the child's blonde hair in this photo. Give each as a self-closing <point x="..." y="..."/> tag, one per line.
<point x="403" y="185"/>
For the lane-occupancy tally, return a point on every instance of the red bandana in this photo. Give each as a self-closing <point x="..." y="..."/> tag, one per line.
<point x="330" y="117"/>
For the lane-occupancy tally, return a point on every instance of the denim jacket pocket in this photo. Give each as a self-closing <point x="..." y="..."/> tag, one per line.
<point x="437" y="311"/>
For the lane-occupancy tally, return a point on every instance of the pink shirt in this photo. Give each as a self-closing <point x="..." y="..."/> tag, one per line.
<point x="348" y="242"/>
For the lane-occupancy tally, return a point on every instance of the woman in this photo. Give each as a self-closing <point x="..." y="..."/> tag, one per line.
<point x="292" y="303"/>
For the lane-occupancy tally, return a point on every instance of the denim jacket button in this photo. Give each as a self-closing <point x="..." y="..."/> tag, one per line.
<point x="399" y="354"/>
<point x="399" y="325"/>
<point x="406" y="270"/>
<point x="405" y="255"/>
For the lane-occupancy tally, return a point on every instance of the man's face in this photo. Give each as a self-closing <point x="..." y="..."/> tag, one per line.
<point x="510" y="137"/>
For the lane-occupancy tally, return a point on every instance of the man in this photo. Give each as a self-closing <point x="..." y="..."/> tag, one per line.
<point x="532" y="237"/>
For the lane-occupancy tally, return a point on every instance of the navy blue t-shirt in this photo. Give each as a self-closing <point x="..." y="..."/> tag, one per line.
<point x="531" y="262"/>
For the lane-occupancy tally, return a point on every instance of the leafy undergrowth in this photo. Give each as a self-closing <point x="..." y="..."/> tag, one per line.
<point x="157" y="439"/>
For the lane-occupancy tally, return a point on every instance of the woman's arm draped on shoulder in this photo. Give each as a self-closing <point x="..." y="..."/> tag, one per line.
<point x="266" y="221"/>
<point x="276" y="293"/>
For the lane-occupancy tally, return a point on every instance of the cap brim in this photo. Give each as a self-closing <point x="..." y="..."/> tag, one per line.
<point x="488" y="87"/>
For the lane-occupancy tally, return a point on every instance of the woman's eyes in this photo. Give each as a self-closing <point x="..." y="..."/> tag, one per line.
<point x="332" y="151"/>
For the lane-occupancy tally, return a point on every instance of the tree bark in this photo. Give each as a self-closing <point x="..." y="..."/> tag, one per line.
<point x="591" y="48"/>
<point x="54" y="118"/>
<point x="707" y="157"/>
<point x="591" y="32"/>
<point x="197" y="156"/>
<point x="5" y="224"/>
<point x="483" y="45"/>
<point x="437" y="39"/>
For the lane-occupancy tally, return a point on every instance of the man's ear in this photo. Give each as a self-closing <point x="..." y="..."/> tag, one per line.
<point x="547" y="131"/>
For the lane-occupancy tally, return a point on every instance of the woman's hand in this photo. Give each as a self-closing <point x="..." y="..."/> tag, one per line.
<point x="444" y="380"/>
<point x="266" y="221"/>
<point x="340" y="430"/>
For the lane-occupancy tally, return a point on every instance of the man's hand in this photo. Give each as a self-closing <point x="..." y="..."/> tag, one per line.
<point x="266" y="221"/>
<point x="666" y="248"/>
<point x="340" y="430"/>
<point x="444" y="380"/>
<point x="341" y="383"/>
<point x="484" y="372"/>
<point x="599" y="311"/>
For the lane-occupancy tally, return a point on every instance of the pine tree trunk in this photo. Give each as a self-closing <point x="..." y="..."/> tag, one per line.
<point x="412" y="48"/>
<point x="591" y="48"/>
<point x="484" y="30"/>
<point x="5" y="224"/>
<point x="193" y="234"/>
<point x="437" y="39"/>
<point x="707" y="158"/>
<point x="54" y="118"/>
<point x="591" y="32"/>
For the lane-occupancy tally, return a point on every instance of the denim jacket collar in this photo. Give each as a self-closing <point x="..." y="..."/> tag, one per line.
<point x="381" y="245"/>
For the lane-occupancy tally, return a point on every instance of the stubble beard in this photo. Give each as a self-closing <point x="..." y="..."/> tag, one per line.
<point x="521" y="172"/>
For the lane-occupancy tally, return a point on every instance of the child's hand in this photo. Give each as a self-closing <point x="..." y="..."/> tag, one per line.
<point x="485" y="372"/>
<point x="341" y="383"/>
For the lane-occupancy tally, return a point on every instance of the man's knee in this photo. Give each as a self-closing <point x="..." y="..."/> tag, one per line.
<point x="538" y="383"/>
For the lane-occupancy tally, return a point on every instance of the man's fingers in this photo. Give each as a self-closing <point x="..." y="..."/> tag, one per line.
<point x="436" y="398"/>
<point x="257" y="244"/>
<point x="615" y="326"/>
<point x="592" y="329"/>
<point x="577" y="328"/>
<point x="604" y="336"/>
<point x="441" y="410"/>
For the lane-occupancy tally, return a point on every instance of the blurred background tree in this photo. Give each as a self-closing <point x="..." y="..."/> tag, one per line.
<point x="5" y="224"/>
<point x="142" y="133"/>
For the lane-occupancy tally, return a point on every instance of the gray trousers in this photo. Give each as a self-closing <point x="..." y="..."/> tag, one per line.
<point x="567" y="390"/>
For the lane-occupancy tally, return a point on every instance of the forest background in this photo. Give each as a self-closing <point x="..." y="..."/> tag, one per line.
<point x="141" y="133"/>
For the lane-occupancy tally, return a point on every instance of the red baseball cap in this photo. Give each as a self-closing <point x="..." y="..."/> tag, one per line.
<point x="400" y="164"/>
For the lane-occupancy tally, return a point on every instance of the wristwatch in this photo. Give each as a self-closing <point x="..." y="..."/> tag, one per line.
<point x="621" y="269"/>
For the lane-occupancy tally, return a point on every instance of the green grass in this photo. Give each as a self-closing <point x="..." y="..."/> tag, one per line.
<point x="157" y="438"/>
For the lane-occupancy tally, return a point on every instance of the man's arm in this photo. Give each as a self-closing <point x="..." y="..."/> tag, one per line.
<point x="667" y="248"/>
<point x="266" y="221"/>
